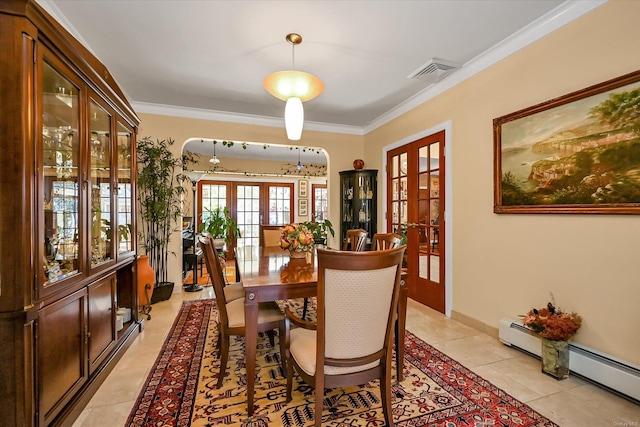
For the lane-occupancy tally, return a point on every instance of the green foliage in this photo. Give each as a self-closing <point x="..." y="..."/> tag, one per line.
<point x="219" y="224"/>
<point x="320" y="229"/>
<point x="159" y="199"/>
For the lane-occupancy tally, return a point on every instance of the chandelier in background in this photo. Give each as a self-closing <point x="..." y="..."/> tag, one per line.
<point x="215" y="160"/>
<point x="299" y="165"/>
<point x="294" y="87"/>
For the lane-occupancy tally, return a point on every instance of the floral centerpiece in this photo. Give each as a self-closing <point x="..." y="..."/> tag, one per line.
<point x="555" y="327"/>
<point x="297" y="239"/>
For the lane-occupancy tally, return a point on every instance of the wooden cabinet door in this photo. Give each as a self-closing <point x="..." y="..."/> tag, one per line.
<point x="102" y="331"/>
<point x="62" y="361"/>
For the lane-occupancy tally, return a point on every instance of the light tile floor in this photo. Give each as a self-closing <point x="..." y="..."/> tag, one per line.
<point x="569" y="403"/>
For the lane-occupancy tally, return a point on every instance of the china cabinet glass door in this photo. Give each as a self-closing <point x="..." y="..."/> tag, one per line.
<point x="100" y="200"/>
<point x="125" y="202"/>
<point x="62" y="236"/>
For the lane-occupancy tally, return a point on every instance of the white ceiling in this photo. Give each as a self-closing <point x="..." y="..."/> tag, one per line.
<point x="206" y="58"/>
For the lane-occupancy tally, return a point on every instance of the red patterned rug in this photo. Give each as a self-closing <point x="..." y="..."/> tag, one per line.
<point x="436" y="391"/>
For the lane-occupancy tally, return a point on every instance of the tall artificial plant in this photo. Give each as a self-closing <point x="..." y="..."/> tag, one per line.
<point x="160" y="191"/>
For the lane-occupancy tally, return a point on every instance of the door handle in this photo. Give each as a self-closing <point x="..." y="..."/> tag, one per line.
<point x="418" y="226"/>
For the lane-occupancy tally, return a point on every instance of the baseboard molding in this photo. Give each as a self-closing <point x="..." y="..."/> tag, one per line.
<point x="475" y="324"/>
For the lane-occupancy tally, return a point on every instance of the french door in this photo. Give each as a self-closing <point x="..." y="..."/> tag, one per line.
<point x="415" y="206"/>
<point x="250" y="204"/>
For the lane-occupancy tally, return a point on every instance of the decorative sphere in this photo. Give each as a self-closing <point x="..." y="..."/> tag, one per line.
<point x="358" y="164"/>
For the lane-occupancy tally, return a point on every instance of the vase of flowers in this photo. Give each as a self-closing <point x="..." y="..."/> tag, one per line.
<point x="297" y="239"/>
<point x="555" y="328"/>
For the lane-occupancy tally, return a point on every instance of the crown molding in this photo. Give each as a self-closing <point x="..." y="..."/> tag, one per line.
<point x="546" y="24"/>
<point x="247" y="119"/>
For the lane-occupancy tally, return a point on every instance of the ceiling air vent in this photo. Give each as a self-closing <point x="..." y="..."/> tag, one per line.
<point x="434" y="70"/>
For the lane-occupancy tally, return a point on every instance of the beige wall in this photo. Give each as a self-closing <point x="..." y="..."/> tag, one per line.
<point x="505" y="264"/>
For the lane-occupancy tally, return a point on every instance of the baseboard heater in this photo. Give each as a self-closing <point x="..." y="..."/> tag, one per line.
<point x="589" y="364"/>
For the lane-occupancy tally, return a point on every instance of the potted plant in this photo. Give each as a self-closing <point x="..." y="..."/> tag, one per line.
<point x="320" y="230"/>
<point x="220" y="226"/>
<point x="555" y="328"/>
<point x="159" y="196"/>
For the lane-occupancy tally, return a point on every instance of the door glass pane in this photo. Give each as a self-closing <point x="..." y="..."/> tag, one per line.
<point x="213" y="196"/>
<point x="61" y="154"/>
<point x="125" y="201"/>
<point x="321" y="202"/>
<point x="396" y="220"/>
<point x="428" y="208"/>
<point x="100" y="184"/>
<point x="279" y="205"/>
<point x="248" y="212"/>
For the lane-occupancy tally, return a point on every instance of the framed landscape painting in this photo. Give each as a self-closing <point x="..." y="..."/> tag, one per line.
<point x="579" y="153"/>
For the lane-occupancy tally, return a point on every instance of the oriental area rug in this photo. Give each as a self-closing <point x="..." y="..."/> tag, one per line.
<point x="436" y="391"/>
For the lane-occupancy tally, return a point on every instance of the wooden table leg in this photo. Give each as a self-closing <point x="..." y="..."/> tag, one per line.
<point x="251" y="342"/>
<point x="400" y="329"/>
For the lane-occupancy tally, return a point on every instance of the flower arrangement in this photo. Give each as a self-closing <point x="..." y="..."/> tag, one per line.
<point x="552" y="323"/>
<point x="296" y="238"/>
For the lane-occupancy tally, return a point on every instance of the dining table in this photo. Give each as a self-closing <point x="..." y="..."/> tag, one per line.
<point x="269" y="273"/>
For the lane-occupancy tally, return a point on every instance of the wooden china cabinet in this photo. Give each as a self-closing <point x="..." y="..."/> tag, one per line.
<point x="67" y="220"/>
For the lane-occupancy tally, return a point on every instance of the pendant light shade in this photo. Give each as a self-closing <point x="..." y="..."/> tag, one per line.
<point x="294" y="118"/>
<point x="294" y="87"/>
<point x="286" y="84"/>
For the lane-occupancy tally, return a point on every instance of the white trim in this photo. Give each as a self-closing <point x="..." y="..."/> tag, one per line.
<point x="448" y="185"/>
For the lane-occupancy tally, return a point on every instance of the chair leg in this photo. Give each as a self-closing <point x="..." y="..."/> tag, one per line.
<point x="318" y="406"/>
<point x="385" y="393"/>
<point x="219" y="340"/>
<point x="283" y="350"/>
<point x="304" y="309"/>
<point x="272" y="338"/>
<point x="224" y="356"/>
<point x="289" y="365"/>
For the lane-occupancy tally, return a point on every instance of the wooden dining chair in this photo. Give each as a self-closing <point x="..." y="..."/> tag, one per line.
<point x="383" y="241"/>
<point x="231" y="313"/>
<point x="352" y="340"/>
<point x="270" y="234"/>
<point x="355" y="240"/>
<point x="232" y="290"/>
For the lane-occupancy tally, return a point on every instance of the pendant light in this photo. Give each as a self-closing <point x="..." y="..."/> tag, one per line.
<point x="299" y="165"/>
<point x="214" y="159"/>
<point x="294" y="87"/>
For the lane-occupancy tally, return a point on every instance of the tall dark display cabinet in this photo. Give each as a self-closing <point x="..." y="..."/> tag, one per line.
<point x="358" y="189"/>
<point x="67" y="220"/>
